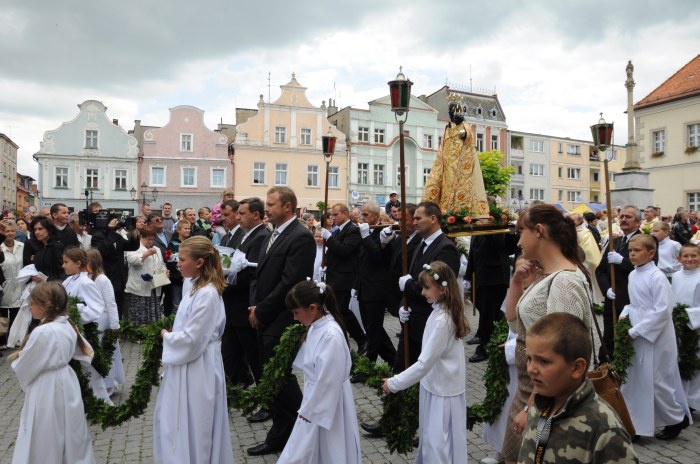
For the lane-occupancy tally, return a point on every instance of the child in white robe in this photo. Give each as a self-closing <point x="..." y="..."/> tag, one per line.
<point x="109" y="320"/>
<point x="686" y="290"/>
<point x="90" y="305"/>
<point x="440" y="368"/>
<point x="326" y="428"/>
<point x="52" y="425"/>
<point x="190" y="422"/>
<point x="653" y="377"/>
<point x="668" y="249"/>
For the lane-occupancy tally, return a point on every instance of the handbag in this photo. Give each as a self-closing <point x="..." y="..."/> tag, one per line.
<point x="606" y="383"/>
<point x="160" y="279"/>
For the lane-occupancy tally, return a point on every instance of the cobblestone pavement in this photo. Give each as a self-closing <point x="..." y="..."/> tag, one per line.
<point x="132" y="442"/>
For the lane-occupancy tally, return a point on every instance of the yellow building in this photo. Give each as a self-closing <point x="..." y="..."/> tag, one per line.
<point x="280" y="145"/>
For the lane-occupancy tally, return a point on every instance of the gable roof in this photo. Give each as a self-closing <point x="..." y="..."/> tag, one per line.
<point x="684" y="83"/>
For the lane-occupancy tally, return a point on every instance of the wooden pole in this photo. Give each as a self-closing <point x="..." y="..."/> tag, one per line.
<point x="404" y="238"/>
<point x="473" y="293"/>
<point x="611" y="247"/>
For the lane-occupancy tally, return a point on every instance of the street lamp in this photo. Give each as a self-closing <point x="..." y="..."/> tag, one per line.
<point x="144" y="191"/>
<point x="518" y="205"/>
<point x="328" y="142"/>
<point x="400" y="96"/>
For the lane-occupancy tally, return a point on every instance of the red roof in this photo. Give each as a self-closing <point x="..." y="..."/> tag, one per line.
<point x="684" y="83"/>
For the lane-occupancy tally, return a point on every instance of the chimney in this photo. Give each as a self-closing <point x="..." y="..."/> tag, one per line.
<point x="115" y="122"/>
<point x="332" y="109"/>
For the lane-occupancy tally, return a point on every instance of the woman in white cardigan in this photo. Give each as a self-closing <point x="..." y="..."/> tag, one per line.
<point x="142" y="300"/>
<point x="13" y="251"/>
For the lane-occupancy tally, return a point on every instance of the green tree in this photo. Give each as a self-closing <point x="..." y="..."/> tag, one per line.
<point x="496" y="175"/>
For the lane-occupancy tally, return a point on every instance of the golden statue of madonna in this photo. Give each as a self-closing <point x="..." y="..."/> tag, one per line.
<point x="455" y="180"/>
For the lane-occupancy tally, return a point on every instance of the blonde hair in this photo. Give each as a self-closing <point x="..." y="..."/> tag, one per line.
<point x="441" y="275"/>
<point x="94" y="259"/>
<point x="181" y="224"/>
<point x="211" y="271"/>
<point x="647" y="241"/>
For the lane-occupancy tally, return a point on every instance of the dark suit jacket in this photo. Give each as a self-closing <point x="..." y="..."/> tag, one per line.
<point x="112" y="246"/>
<point x="442" y="249"/>
<point x="488" y="259"/>
<point x="622" y="272"/>
<point x="289" y="261"/>
<point x="237" y="296"/>
<point x="372" y="278"/>
<point x="68" y="237"/>
<point x="392" y="255"/>
<point x="233" y="241"/>
<point x="342" y="257"/>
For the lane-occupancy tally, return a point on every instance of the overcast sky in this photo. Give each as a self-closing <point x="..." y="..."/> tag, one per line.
<point x="554" y="64"/>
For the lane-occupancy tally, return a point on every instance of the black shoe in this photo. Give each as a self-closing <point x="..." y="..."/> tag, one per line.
<point x="355" y="379"/>
<point x="479" y="356"/>
<point x="635" y="438"/>
<point x="373" y="430"/>
<point x="672" y="431"/>
<point x="362" y="347"/>
<point x="415" y="442"/>
<point x="261" y="416"/>
<point x="263" y="448"/>
<point x="475" y="340"/>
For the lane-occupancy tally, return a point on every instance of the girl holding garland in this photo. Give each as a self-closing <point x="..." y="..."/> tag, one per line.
<point x="52" y="426"/>
<point x="440" y="368"/>
<point x="326" y="428"/>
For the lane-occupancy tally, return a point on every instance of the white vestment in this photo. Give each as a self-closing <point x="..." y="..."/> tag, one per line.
<point x="686" y="290"/>
<point x="331" y="435"/>
<point x="52" y="427"/>
<point x="190" y="422"/>
<point x="109" y="320"/>
<point x="668" y="256"/>
<point x="590" y="248"/>
<point x="442" y="409"/>
<point x="653" y="377"/>
<point x="494" y="433"/>
<point x="91" y="307"/>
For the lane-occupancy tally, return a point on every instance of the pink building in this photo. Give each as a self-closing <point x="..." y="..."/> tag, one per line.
<point x="184" y="160"/>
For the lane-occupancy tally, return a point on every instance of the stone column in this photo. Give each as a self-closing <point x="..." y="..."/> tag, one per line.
<point x="631" y="155"/>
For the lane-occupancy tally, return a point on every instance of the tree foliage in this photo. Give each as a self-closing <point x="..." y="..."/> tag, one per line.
<point x="496" y="175"/>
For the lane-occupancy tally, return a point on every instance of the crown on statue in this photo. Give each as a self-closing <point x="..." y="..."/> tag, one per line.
<point x="458" y="100"/>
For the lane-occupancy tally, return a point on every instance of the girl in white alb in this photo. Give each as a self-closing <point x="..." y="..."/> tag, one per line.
<point x="442" y="410"/>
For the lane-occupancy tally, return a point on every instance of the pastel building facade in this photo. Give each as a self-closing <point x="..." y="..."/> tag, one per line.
<point x="8" y="152"/>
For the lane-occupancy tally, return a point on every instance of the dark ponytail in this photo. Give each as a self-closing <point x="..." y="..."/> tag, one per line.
<point x="309" y="292"/>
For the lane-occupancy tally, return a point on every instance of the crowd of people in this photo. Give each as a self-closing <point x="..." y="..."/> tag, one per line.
<point x="340" y="277"/>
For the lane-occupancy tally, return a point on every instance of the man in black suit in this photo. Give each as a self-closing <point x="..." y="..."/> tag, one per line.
<point x="229" y="219"/>
<point x="163" y="236"/>
<point x="630" y="219"/>
<point x="286" y="258"/>
<point x="372" y="283"/>
<point x="391" y="254"/>
<point x="59" y="216"/>
<point x="342" y="258"/>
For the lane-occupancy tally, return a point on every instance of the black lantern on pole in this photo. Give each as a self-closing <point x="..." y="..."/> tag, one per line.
<point x="328" y="145"/>
<point x="400" y="93"/>
<point x="602" y="134"/>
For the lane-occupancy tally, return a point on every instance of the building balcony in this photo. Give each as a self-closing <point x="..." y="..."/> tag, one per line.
<point x="517" y="179"/>
<point x="517" y="154"/>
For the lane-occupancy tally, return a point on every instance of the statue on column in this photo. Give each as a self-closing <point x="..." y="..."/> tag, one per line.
<point x="455" y="180"/>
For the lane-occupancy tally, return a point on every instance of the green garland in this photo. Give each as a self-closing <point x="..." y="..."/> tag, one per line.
<point x="598" y="308"/>
<point x="687" y="340"/>
<point x="103" y="349"/>
<point x="624" y="349"/>
<point x="496" y="380"/>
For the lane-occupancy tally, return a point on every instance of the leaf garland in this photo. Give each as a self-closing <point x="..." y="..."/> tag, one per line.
<point x="103" y="349"/>
<point x="624" y="349"/>
<point x="687" y="340"/>
<point x="496" y="380"/>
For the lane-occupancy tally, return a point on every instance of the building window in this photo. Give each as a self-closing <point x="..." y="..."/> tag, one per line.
<point x="560" y="148"/>
<point x="280" y="134"/>
<point x="659" y="141"/>
<point x="61" y="178"/>
<point x="189" y="177"/>
<point x="494" y="142"/>
<point x="479" y="142"/>
<point x="694" y="135"/>
<point x="439" y="140"/>
<point x="537" y="170"/>
<point x="157" y="176"/>
<point x="574" y="150"/>
<point x="90" y="139"/>
<point x="611" y="177"/>
<point x="427" y="141"/>
<point x="536" y="194"/>
<point x="259" y="173"/>
<point x="92" y="179"/>
<point x="185" y="142"/>
<point x="559" y="172"/>
<point x="694" y="201"/>
<point x="426" y="175"/>
<point x="333" y="176"/>
<point x="398" y="175"/>
<point x="363" y="173"/>
<point x="519" y="169"/>
<point x="312" y="175"/>
<point x="363" y="134"/>
<point x="596" y="176"/>
<point x="378" y="135"/>
<point x="560" y="195"/>
<point x="120" y="179"/>
<point x="217" y="177"/>
<point x="537" y="146"/>
<point x="574" y="197"/>
<point x="305" y="136"/>
<point x="493" y="113"/>
<point x="378" y="174"/>
<point x="573" y="173"/>
<point x="280" y="173"/>
<point x="478" y="111"/>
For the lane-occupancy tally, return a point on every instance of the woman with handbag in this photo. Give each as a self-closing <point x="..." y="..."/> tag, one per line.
<point x="146" y="270"/>
<point x="12" y="252"/>
<point x="549" y="244"/>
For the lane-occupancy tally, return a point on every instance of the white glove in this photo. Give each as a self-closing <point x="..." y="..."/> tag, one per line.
<point x="610" y="294"/>
<point x="462" y="266"/>
<point x="387" y="235"/>
<point x="404" y="314"/>
<point x="322" y="272"/>
<point x="364" y="230"/>
<point x="403" y="280"/>
<point x="326" y="234"/>
<point x="614" y="257"/>
<point x="353" y="293"/>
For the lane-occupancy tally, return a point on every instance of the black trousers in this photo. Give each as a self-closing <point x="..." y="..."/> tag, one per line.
<point x="414" y="349"/>
<point x="351" y="324"/>
<point x="488" y="301"/>
<point x="236" y="365"/>
<point x="286" y="404"/>
<point x="608" y="330"/>
<point x="378" y="341"/>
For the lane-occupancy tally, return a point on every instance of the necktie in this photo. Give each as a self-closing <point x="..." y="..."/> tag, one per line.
<point x="273" y="237"/>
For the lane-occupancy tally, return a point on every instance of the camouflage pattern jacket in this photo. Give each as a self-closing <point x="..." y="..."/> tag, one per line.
<point x="585" y="430"/>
